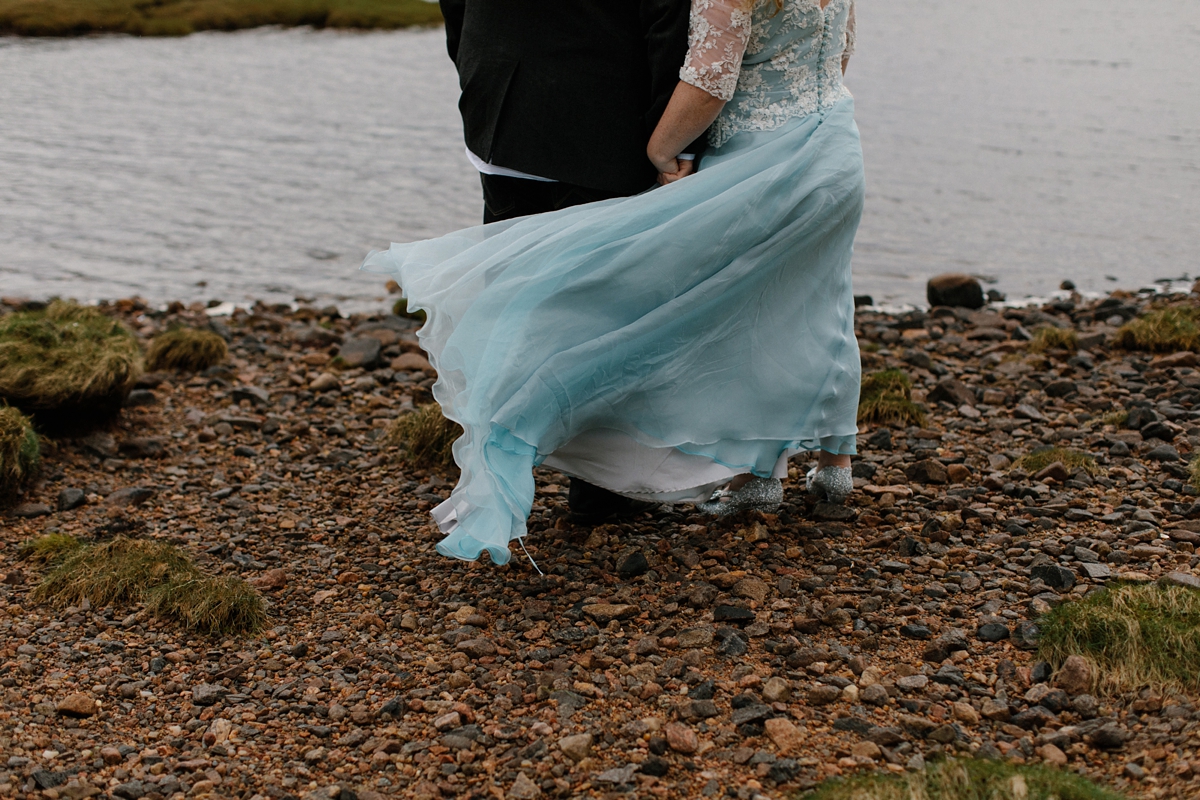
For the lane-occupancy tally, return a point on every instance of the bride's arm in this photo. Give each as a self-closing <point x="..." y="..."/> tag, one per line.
<point x="718" y="34"/>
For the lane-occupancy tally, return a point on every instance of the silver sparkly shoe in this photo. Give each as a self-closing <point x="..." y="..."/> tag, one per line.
<point x="834" y="483"/>
<point x="759" y="494"/>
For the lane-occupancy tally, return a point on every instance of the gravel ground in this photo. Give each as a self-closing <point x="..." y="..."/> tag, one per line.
<point x="666" y="656"/>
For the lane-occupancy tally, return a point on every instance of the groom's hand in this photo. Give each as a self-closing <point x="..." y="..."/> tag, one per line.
<point x="674" y="170"/>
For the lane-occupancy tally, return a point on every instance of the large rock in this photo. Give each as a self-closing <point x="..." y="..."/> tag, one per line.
<point x="954" y="289"/>
<point x="1075" y="676"/>
<point x="928" y="471"/>
<point x="78" y="705"/>
<point x="576" y="747"/>
<point x="952" y="391"/>
<point x="361" y="351"/>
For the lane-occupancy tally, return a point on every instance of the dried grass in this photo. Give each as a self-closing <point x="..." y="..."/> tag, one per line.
<point x="1167" y="330"/>
<point x="20" y="451"/>
<point x="1134" y="635"/>
<point x="426" y="436"/>
<point x="966" y="779"/>
<point x="1052" y="338"/>
<point x="69" y="367"/>
<point x="161" y="576"/>
<point x="186" y="349"/>
<point x="886" y="399"/>
<point x="1041" y="458"/>
<point x="181" y="17"/>
<point x="49" y="549"/>
<point x="1194" y="473"/>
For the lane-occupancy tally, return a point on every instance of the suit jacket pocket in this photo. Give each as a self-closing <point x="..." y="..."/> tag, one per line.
<point x="484" y="90"/>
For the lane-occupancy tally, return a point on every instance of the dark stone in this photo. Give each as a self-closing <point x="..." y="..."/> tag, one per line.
<point x="656" y="766"/>
<point x="885" y="737"/>
<point x="31" y="510"/>
<point x="1060" y="388"/>
<point x="1159" y="430"/>
<point x="784" y="770"/>
<point x="1109" y="737"/>
<point x="952" y="391"/>
<point x="207" y="694"/>
<point x="70" y="499"/>
<point x="853" y="724"/>
<point x="1026" y="635"/>
<point x="1041" y="672"/>
<point x="734" y="614"/>
<point x="133" y="790"/>
<point x="1164" y="452"/>
<point x="1033" y="718"/>
<point x="914" y="631"/>
<point x="633" y="565"/>
<point x="992" y="632"/>
<point x="1054" y="576"/>
<point x="48" y="780"/>
<point x="881" y="439"/>
<point x="944" y="734"/>
<point x="142" y="447"/>
<point x="245" y="451"/>
<point x="257" y="395"/>
<point x="927" y="471"/>
<point x="953" y="289"/>
<point x="140" y="397"/>
<point x="949" y="675"/>
<point x="703" y="691"/>
<point x="362" y="351"/>
<point x="731" y="645"/>
<point x="131" y="496"/>
<point x="751" y="713"/>
<point x="1139" y="418"/>
<point x="863" y="300"/>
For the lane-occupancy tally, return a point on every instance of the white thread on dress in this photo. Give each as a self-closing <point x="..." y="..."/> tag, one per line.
<point x="717" y="36"/>
<point x="791" y="67"/>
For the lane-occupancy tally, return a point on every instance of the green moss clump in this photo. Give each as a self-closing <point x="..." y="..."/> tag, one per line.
<point x="1039" y="459"/>
<point x="20" y="451"/>
<point x="886" y="399"/>
<point x="181" y="17"/>
<point x="186" y="349"/>
<point x="69" y="367"/>
<point x="1134" y="635"/>
<point x="400" y="309"/>
<point x="1167" y="330"/>
<point x="426" y="436"/>
<point x="130" y="571"/>
<point x="966" y="779"/>
<point x="1052" y="338"/>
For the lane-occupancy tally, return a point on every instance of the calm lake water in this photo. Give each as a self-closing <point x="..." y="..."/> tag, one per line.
<point x="1026" y="141"/>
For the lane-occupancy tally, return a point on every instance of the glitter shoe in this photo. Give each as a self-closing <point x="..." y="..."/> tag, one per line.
<point x="759" y="494"/>
<point x="834" y="483"/>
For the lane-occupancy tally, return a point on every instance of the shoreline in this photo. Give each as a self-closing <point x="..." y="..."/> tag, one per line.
<point x="671" y="655"/>
<point x="63" y="18"/>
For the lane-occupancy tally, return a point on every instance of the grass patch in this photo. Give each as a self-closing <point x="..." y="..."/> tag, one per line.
<point x="886" y="399"/>
<point x="49" y="549"/>
<point x="966" y="779"/>
<point x="181" y="17"/>
<point x="69" y="367"/>
<point x="1052" y="338"/>
<point x="400" y="309"/>
<point x="1115" y="418"/>
<point x="1167" y="330"/>
<point x="1134" y="635"/>
<point x="20" y="451"/>
<point x="159" y="575"/>
<point x="1041" y="458"/>
<point x="426" y="436"/>
<point x="186" y="349"/>
<point x="1194" y="473"/>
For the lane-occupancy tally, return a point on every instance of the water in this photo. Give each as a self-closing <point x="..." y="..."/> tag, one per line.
<point x="1029" y="142"/>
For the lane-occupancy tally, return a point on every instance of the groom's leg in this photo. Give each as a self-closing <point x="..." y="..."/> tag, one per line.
<point x="508" y="198"/>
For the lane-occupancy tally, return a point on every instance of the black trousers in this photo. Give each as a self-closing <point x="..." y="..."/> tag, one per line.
<point x="507" y="198"/>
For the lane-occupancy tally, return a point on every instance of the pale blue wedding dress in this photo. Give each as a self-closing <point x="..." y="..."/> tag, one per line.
<point x="659" y="344"/>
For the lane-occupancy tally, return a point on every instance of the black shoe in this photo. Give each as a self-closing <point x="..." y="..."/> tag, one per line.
<point x="591" y="505"/>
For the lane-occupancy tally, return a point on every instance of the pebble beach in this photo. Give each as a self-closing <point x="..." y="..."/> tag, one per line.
<point x="664" y="656"/>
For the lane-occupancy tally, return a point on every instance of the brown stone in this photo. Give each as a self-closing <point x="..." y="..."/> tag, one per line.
<point x="784" y="733"/>
<point x="411" y="362"/>
<point x="1056" y="472"/>
<point x="1075" y="676"/>
<point x="928" y="471"/>
<point x="954" y="289"/>
<point x="681" y="738"/>
<point x="78" y="705"/>
<point x="270" y="581"/>
<point x="958" y="473"/>
<point x="1052" y="755"/>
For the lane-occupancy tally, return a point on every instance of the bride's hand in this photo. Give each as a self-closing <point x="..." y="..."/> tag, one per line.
<point x="675" y="169"/>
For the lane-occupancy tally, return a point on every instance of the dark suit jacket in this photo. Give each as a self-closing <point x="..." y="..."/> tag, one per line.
<point x="567" y="89"/>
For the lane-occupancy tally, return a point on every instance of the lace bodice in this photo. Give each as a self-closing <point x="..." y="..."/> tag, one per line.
<point x="769" y="65"/>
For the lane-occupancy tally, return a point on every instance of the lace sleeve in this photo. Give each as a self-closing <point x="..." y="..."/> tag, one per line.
<point x="717" y="37"/>
<point x="851" y="33"/>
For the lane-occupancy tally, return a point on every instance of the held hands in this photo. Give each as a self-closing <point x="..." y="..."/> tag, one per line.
<point x="672" y="169"/>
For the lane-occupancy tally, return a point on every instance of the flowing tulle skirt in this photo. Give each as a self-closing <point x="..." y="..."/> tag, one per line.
<point x="714" y="315"/>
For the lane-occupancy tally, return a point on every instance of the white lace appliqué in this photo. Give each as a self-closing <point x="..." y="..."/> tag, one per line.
<point x="791" y="61"/>
<point x="717" y="39"/>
